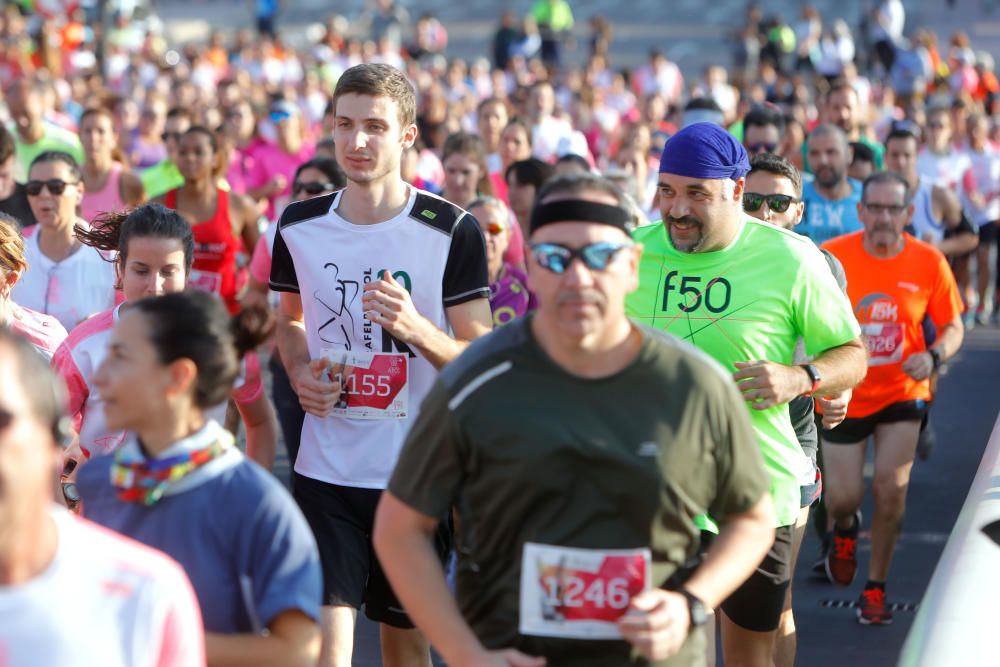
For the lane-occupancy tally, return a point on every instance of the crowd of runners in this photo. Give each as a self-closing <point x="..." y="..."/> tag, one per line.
<point x="563" y="359"/>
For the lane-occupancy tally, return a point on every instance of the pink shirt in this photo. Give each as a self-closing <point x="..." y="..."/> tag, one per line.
<point x="44" y="332"/>
<point x="268" y="161"/>
<point x="77" y="360"/>
<point x="108" y="199"/>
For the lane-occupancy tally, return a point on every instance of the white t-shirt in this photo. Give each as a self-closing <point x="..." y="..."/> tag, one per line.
<point x="436" y="250"/>
<point x="70" y="290"/>
<point x="104" y="601"/>
<point x="77" y="360"/>
<point x="944" y="170"/>
<point x="982" y="176"/>
<point x="43" y="331"/>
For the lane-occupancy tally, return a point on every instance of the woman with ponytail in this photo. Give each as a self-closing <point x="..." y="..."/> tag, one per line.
<point x="154" y="248"/>
<point x="179" y="484"/>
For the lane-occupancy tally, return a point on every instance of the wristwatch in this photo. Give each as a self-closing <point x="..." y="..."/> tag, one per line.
<point x="696" y="608"/>
<point x="935" y="357"/>
<point x="814" y="376"/>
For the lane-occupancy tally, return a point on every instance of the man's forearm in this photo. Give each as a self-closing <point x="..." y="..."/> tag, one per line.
<point x="742" y="543"/>
<point x="292" y="343"/>
<point x="842" y="367"/>
<point x="436" y="346"/>
<point x="418" y="580"/>
<point x="949" y="340"/>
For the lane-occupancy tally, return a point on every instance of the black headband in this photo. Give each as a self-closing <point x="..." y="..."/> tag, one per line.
<point x="581" y="210"/>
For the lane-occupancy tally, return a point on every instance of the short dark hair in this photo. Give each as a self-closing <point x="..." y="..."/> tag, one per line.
<point x="180" y="112"/>
<point x="901" y="133"/>
<point x="7" y="148"/>
<point x="530" y="172"/>
<point x="573" y="158"/>
<point x="379" y="80"/>
<point x="779" y="166"/>
<point x="762" y="115"/>
<point x="196" y="325"/>
<point x="861" y="152"/>
<point x="890" y="177"/>
<point x="328" y="166"/>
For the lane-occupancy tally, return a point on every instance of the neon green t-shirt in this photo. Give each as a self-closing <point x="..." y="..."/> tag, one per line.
<point x="161" y="178"/>
<point x="751" y="300"/>
<point x="54" y="139"/>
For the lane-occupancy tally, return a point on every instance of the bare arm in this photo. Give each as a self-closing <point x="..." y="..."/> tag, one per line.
<point x="262" y="429"/>
<point x="132" y="192"/>
<point x="310" y="379"/>
<point x="293" y="640"/>
<point x="403" y="539"/>
<point x="768" y="383"/>
<point x="920" y="365"/>
<point x="390" y="306"/>
<point x="246" y="216"/>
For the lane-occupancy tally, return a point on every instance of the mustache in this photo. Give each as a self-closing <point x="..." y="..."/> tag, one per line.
<point x="585" y="295"/>
<point x="684" y="220"/>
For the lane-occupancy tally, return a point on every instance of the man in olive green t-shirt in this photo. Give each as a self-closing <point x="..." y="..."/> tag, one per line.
<point x="577" y="448"/>
<point x="745" y="292"/>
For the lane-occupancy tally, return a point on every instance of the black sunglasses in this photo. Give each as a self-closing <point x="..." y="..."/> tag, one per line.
<point x="167" y="136"/>
<point x="56" y="186"/>
<point x="312" y="188"/>
<point x="752" y="202"/>
<point x="762" y="148"/>
<point x="557" y="258"/>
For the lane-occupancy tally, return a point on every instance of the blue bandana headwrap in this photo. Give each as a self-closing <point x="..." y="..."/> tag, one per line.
<point x="704" y="150"/>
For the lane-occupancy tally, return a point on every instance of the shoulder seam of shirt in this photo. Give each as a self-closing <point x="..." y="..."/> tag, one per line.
<point x="478" y="382"/>
<point x="436" y="205"/>
<point x="308" y="205"/>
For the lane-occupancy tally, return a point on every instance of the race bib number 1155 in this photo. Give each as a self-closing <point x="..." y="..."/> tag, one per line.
<point x="579" y="593"/>
<point x="375" y="385"/>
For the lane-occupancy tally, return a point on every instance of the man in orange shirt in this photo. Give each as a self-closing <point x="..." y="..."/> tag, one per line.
<point x="893" y="281"/>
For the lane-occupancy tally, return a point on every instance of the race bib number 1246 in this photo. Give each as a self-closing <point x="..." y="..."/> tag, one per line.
<point x="579" y="593"/>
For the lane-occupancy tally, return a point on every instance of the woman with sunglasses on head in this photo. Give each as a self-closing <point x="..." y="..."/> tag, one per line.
<point x="154" y="248"/>
<point x="43" y="331"/>
<point x="315" y="178"/>
<point x="108" y="185"/>
<point x="221" y="220"/>
<point x="179" y="484"/>
<point x="509" y="295"/>
<point x="276" y="158"/>
<point x="64" y="278"/>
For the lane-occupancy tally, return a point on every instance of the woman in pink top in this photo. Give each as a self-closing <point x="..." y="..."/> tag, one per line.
<point x="274" y="164"/>
<point x="44" y="332"/>
<point x="108" y="186"/>
<point x="154" y="249"/>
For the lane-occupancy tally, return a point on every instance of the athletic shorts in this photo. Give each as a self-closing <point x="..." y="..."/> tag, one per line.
<point x="758" y="603"/>
<point x="989" y="232"/>
<point x="341" y="519"/>
<point x="851" y="431"/>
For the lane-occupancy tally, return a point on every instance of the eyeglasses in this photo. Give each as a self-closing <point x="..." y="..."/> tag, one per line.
<point x="762" y="148"/>
<point x="891" y="209"/>
<point x="55" y="186"/>
<point x="167" y="136"/>
<point x="495" y="229"/>
<point x="278" y="116"/>
<point x="752" y="201"/>
<point x="557" y="258"/>
<point x="312" y="188"/>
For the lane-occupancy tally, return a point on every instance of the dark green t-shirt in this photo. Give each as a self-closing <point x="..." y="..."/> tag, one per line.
<point x="527" y="452"/>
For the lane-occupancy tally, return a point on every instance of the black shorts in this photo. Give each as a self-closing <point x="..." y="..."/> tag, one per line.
<point x="989" y="232"/>
<point x="758" y="603"/>
<point x="341" y="519"/>
<point x="851" y="431"/>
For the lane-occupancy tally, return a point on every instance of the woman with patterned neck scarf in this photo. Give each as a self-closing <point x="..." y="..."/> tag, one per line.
<point x="179" y="483"/>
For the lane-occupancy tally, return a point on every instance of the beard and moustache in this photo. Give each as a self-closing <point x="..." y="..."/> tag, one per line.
<point x="829" y="177"/>
<point x="687" y="220"/>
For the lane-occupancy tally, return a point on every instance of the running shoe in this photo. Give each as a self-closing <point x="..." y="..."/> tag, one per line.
<point x="982" y="319"/>
<point x="842" y="561"/>
<point x="872" y="609"/>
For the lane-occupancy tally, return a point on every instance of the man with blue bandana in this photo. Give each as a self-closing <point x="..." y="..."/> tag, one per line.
<point x="744" y="292"/>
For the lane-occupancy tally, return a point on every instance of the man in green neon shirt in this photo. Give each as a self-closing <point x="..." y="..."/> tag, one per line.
<point x="744" y="292"/>
<point x="32" y="134"/>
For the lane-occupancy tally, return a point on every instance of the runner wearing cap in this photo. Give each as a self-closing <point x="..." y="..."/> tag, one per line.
<point x="577" y="510"/>
<point x="745" y="292"/>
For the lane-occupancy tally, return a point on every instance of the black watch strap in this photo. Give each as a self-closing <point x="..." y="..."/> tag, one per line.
<point x="696" y="608"/>
<point x="935" y="357"/>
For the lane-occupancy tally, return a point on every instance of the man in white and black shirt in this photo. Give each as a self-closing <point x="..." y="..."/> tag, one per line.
<point x="374" y="280"/>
